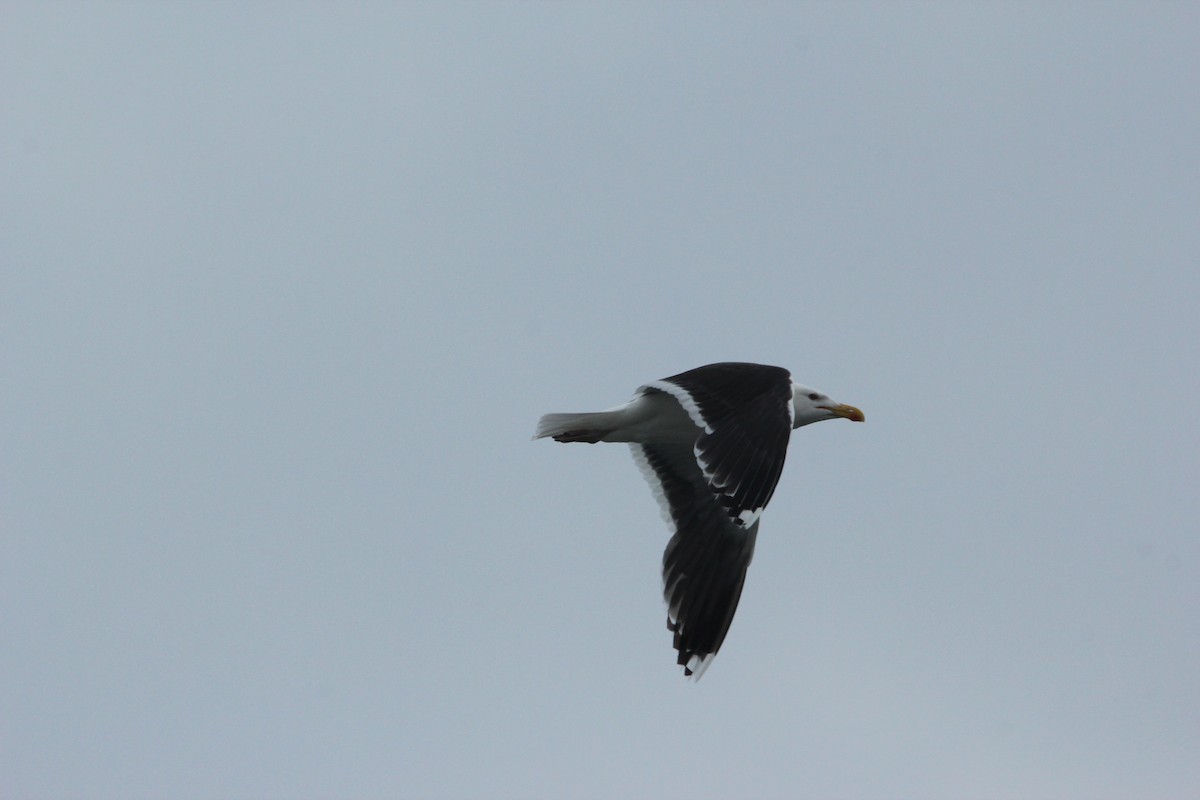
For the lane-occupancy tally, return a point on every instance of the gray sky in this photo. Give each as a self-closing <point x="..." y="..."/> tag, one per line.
<point x="286" y="287"/>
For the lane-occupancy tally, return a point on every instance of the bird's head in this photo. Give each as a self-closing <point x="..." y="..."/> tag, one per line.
<point x="810" y="406"/>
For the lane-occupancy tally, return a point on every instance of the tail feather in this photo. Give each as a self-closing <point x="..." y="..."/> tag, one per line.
<point x="589" y="427"/>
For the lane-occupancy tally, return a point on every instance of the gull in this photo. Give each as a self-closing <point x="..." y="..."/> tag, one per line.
<point x="711" y="442"/>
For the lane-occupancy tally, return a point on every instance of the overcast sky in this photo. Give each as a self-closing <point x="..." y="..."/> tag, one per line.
<point x="287" y="285"/>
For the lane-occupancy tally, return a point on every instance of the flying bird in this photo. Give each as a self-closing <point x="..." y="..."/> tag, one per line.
<point x="711" y="442"/>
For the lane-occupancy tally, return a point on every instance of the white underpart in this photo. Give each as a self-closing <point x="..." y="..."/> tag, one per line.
<point x="648" y="417"/>
<point x="651" y="418"/>
<point x="685" y="400"/>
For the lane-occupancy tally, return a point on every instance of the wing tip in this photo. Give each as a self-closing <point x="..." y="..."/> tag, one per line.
<point x="694" y="663"/>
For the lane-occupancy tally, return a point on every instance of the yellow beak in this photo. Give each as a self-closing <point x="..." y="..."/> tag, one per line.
<point x="849" y="412"/>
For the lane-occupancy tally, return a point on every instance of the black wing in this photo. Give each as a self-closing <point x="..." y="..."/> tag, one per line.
<point x="704" y="565"/>
<point x="746" y="410"/>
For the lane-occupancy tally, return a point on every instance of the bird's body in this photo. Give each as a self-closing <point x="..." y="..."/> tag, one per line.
<point x="648" y="416"/>
<point x="711" y="442"/>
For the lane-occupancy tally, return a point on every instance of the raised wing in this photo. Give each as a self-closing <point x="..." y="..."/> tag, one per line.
<point x="745" y="411"/>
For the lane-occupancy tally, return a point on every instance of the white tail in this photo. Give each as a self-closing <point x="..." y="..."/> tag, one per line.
<point x="588" y="427"/>
<point x="653" y="416"/>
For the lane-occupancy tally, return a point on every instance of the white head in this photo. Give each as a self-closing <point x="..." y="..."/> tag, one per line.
<point x="810" y="405"/>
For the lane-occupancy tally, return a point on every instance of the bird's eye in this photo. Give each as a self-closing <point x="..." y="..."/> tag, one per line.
<point x="814" y="396"/>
